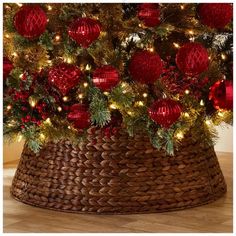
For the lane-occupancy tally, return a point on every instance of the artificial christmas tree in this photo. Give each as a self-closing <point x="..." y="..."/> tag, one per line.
<point x="117" y="104"/>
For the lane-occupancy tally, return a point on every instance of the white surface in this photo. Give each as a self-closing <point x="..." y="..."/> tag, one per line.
<point x="225" y="141"/>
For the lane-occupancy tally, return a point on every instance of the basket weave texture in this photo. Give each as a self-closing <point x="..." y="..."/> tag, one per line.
<point x="118" y="175"/>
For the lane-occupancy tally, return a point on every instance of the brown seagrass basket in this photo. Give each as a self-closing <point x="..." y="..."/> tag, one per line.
<point x="118" y="175"/>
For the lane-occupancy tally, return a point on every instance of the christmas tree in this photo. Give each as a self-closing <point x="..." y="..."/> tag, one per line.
<point x="163" y="69"/>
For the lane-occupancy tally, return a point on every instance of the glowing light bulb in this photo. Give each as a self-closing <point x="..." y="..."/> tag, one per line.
<point x="85" y="84"/>
<point x="19" y="138"/>
<point x="202" y="103"/>
<point x="186" y="114"/>
<point x="65" y="98"/>
<point x="113" y="106"/>
<point x="106" y="93"/>
<point x="191" y="32"/>
<point x="176" y="45"/>
<point x="48" y="121"/>
<point x="140" y="103"/>
<point x="182" y="7"/>
<point x="223" y="56"/>
<point x="42" y="136"/>
<point x="9" y="107"/>
<point x="145" y="95"/>
<point x="180" y="135"/>
<point x="59" y="109"/>
<point x="49" y="7"/>
<point x="80" y="96"/>
<point x="88" y="67"/>
<point x="57" y="37"/>
<point x="7" y="36"/>
<point x="208" y="122"/>
<point x="187" y="91"/>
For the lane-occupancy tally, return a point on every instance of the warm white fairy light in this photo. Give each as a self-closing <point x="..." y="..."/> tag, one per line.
<point x="21" y="76"/>
<point x="187" y="91"/>
<point x="59" y="109"/>
<point x="145" y="95"/>
<point x="48" y="121"/>
<point x="186" y="114"/>
<point x="176" y="45"/>
<point x="49" y="7"/>
<point x="140" y="103"/>
<point x="9" y="107"/>
<point x="208" y="122"/>
<point x="65" y="98"/>
<point x="14" y="54"/>
<point x="113" y="106"/>
<point x="180" y="135"/>
<point x="80" y="96"/>
<point x="7" y="36"/>
<point x="223" y="56"/>
<point x="19" y="138"/>
<point x="202" y="103"/>
<point x="85" y="84"/>
<point x="88" y="67"/>
<point x="106" y="93"/>
<point x="68" y="127"/>
<point x="42" y="136"/>
<point x="57" y="38"/>
<point x="182" y="7"/>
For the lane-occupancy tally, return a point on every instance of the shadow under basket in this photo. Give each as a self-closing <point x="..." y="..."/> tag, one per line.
<point x="118" y="175"/>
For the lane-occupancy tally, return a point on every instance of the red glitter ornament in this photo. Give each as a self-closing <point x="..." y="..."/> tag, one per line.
<point x="192" y="59"/>
<point x="84" y="31"/>
<point x="7" y="67"/>
<point x="145" y="67"/>
<point x="149" y="14"/>
<point x="64" y="77"/>
<point x="215" y="15"/>
<point x="105" y="77"/>
<point x="30" y="21"/>
<point x="165" y="112"/>
<point x="221" y="94"/>
<point x="79" y="116"/>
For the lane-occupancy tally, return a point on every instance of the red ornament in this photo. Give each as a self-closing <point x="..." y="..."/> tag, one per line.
<point x="30" y="21"/>
<point x="105" y="77"/>
<point x="149" y="14"/>
<point x="215" y="15"/>
<point x="84" y="31"/>
<point x="165" y="112"/>
<point x="221" y="94"/>
<point x="145" y="67"/>
<point x="192" y="59"/>
<point x="7" y="67"/>
<point x="79" y="116"/>
<point x="64" y="77"/>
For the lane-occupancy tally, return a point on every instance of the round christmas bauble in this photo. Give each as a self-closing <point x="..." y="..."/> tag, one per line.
<point x="79" y="115"/>
<point x="149" y="14"/>
<point x="84" y="31"/>
<point x="192" y="59"/>
<point x="145" y="67"/>
<point x="64" y="77"/>
<point x="221" y="94"/>
<point x="30" y="21"/>
<point x="106" y="77"/>
<point x="7" y="67"/>
<point x="215" y="15"/>
<point x="165" y="112"/>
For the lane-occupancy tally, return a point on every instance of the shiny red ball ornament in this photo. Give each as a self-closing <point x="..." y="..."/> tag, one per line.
<point x="64" y="77"/>
<point x="84" y="31"/>
<point x="215" y="15"/>
<point x="106" y="77"/>
<point x="192" y="59"/>
<point x="79" y="115"/>
<point x="145" y="67"/>
<point x="221" y="94"/>
<point x="165" y="112"/>
<point x="7" y="67"/>
<point x="30" y="21"/>
<point x="149" y="14"/>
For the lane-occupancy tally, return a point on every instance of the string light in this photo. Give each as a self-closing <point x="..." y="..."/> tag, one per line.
<point x="176" y="45"/>
<point x="202" y="103"/>
<point x="182" y="7"/>
<point x="223" y="56"/>
<point x="7" y="36"/>
<point x="59" y="109"/>
<point x="191" y="32"/>
<point x="187" y="91"/>
<point x="49" y="7"/>
<point x="57" y="38"/>
<point x="151" y="49"/>
<point x="80" y="96"/>
<point x="68" y="60"/>
<point x="180" y="135"/>
<point x="130" y="113"/>
<point x="19" y="138"/>
<point x="139" y="103"/>
<point x="208" y="122"/>
<point x="65" y="98"/>
<point x="68" y="127"/>
<point x="88" y="67"/>
<point x="113" y="106"/>
<point x="145" y="95"/>
<point x="106" y="93"/>
<point x="85" y="84"/>
<point x="42" y="136"/>
<point x="14" y="54"/>
<point x="50" y="62"/>
<point x="9" y="107"/>
<point x="48" y="121"/>
<point x="186" y="114"/>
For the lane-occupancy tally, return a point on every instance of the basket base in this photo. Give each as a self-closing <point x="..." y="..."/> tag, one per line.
<point x="118" y="176"/>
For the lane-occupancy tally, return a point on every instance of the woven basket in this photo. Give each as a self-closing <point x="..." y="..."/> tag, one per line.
<point x="118" y="175"/>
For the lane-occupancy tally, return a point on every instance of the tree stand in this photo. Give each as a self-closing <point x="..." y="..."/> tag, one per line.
<point x="118" y="175"/>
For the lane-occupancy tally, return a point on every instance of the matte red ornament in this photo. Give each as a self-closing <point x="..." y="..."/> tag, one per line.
<point x="64" y="77"/>
<point x="30" y="21"/>
<point x="215" y="15"/>
<point x="84" y="31"/>
<point x="165" y="112"/>
<point x="106" y="77"/>
<point x="221" y="94"/>
<point x="192" y="59"/>
<point x="79" y="115"/>
<point x="7" y="67"/>
<point x="149" y="14"/>
<point x="145" y="67"/>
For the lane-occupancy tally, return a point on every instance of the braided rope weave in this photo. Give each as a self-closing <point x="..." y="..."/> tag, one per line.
<point x="118" y="175"/>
